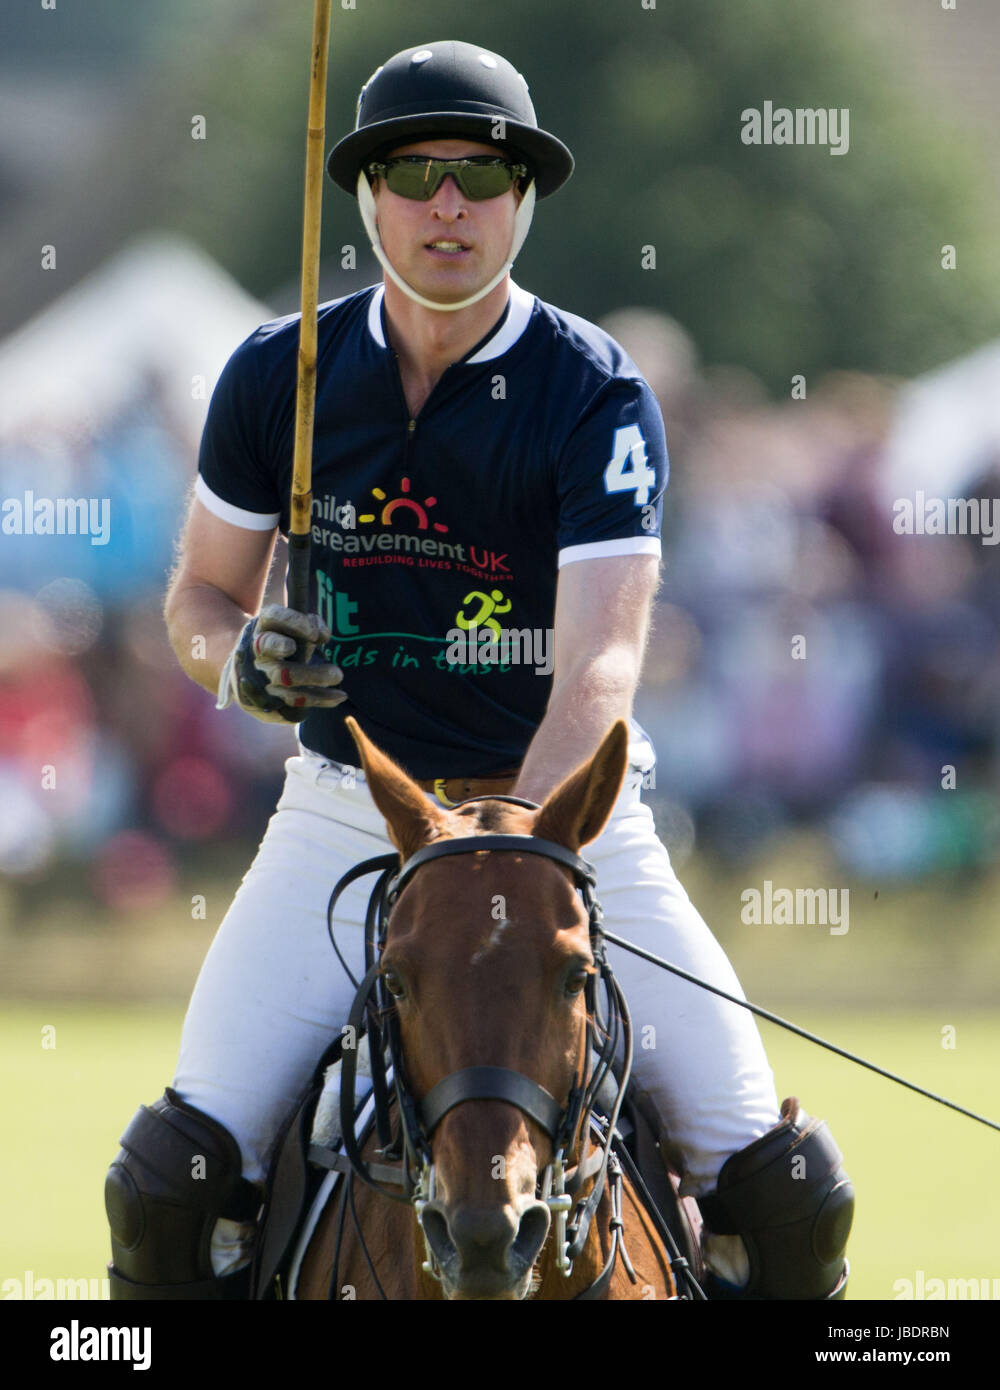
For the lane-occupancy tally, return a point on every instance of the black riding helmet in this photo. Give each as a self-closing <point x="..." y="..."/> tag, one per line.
<point x="449" y="89"/>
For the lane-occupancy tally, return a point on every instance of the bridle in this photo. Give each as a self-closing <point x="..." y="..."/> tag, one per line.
<point x="373" y="1012"/>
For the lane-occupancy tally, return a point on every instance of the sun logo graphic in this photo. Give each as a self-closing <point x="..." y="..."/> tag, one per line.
<point x="405" y="502"/>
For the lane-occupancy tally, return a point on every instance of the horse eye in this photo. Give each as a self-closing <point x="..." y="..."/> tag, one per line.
<point x="393" y="984"/>
<point x="576" y="981"/>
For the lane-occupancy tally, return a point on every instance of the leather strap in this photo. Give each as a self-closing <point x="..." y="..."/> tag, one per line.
<point x="520" y="844"/>
<point x="348" y="1074"/>
<point x="336" y="1162"/>
<point x="451" y="791"/>
<point x="490" y="1083"/>
<point x="600" y="1285"/>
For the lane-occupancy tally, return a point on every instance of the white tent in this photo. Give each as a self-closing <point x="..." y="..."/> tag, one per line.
<point x="159" y="309"/>
<point x="947" y="428"/>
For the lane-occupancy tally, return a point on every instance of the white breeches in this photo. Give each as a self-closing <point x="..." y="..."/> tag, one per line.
<point x="272" y="995"/>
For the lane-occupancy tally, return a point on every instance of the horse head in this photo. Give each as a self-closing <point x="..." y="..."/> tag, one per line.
<point x="487" y="955"/>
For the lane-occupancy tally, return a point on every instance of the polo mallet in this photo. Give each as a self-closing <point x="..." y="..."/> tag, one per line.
<point x="300" y="524"/>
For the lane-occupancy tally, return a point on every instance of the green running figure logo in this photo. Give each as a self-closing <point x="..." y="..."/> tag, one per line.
<point x="493" y="602"/>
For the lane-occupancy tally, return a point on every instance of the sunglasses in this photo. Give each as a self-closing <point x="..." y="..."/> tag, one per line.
<point x="418" y="176"/>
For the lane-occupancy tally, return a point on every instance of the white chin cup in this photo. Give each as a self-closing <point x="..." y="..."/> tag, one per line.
<point x="522" y="221"/>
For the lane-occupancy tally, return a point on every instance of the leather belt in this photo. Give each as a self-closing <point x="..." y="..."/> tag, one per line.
<point x="451" y="790"/>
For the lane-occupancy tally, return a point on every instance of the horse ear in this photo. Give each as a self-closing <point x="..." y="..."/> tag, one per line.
<point x="578" y="809"/>
<point x="412" y="820"/>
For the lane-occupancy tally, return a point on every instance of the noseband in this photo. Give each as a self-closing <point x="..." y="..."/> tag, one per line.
<point x="373" y="1012"/>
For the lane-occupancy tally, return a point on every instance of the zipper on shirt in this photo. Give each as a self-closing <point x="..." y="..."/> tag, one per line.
<point x="411" y="423"/>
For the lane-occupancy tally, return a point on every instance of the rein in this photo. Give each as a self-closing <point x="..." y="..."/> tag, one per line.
<point x="794" y="1028"/>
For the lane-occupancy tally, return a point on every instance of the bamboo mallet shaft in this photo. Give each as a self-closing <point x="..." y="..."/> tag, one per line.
<point x="305" y="393"/>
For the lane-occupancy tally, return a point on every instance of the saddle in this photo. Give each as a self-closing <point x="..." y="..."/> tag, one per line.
<point x="308" y="1165"/>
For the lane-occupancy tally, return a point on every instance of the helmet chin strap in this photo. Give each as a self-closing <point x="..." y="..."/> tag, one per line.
<point x="522" y="221"/>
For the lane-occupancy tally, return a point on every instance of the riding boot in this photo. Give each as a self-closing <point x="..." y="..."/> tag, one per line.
<point x="178" y="1173"/>
<point x="790" y="1203"/>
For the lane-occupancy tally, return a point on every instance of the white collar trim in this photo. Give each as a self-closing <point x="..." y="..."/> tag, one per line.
<point x="521" y="303"/>
<point x="375" y="316"/>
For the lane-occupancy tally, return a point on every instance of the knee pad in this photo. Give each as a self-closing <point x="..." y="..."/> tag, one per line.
<point x="178" y="1172"/>
<point x="788" y="1198"/>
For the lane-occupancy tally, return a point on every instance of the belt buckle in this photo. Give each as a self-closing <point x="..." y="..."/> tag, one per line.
<point x="439" y="791"/>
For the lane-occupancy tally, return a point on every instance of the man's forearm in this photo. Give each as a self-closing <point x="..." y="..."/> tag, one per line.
<point x="203" y="624"/>
<point x="580" y="712"/>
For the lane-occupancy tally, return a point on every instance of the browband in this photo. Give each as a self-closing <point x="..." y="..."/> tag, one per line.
<point x="466" y="844"/>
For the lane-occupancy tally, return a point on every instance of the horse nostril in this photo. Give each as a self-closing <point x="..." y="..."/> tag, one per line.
<point x="531" y="1233"/>
<point x="483" y="1236"/>
<point x="491" y="1244"/>
<point x="435" y="1225"/>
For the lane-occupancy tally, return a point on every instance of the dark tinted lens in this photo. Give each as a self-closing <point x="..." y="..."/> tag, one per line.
<point x="486" y="180"/>
<point x="421" y="178"/>
<point x="417" y="180"/>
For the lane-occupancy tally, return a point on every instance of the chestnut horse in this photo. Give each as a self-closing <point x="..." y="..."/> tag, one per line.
<point x="487" y="957"/>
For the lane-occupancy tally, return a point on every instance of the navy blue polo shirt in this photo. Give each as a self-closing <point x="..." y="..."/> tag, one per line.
<point x="436" y="542"/>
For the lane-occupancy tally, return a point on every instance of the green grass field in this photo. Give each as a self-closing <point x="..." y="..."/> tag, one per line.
<point x="925" y="1176"/>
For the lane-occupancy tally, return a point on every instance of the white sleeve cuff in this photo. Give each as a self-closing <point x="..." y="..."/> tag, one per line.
<point x="236" y="516"/>
<point x="598" y="550"/>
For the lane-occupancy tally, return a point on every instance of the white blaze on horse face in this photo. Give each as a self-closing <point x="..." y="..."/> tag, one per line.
<point x="495" y="939"/>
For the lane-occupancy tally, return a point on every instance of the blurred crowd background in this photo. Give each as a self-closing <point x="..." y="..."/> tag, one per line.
<point x="772" y="264"/>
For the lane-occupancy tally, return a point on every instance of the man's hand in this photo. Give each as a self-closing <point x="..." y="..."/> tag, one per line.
<point x="261" y="681"/>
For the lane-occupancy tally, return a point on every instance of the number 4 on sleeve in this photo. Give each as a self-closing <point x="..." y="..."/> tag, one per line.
<point x="628" y="470"/>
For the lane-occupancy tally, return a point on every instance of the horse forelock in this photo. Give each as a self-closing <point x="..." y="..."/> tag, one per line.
<point x="472" y="889"/>
<point x="495" y="818"/>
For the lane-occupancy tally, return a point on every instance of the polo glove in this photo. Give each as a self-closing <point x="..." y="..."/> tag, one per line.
<point x="258" y="677"/>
